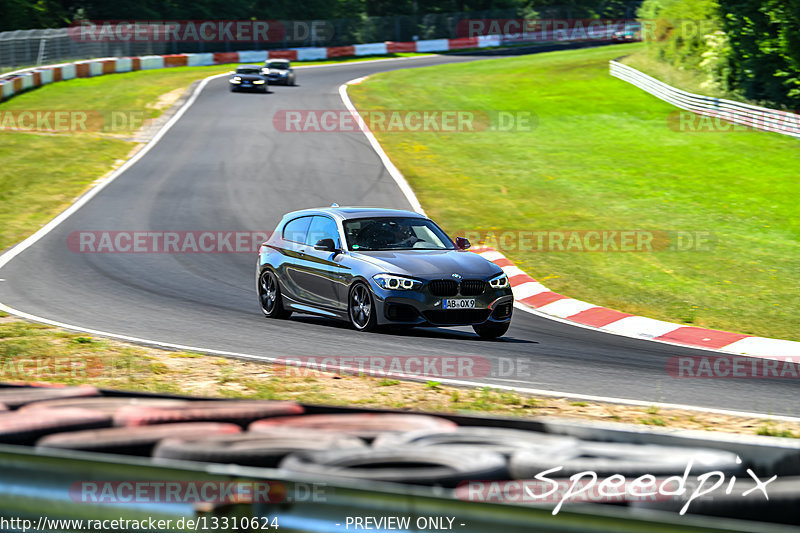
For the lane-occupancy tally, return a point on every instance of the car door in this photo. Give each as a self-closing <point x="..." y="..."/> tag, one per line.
<point x="327" y="274"/>
<point x="293" y="270"/>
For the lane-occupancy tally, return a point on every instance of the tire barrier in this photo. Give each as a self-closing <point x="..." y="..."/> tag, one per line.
<point x="26" y="427"/>
<point x="417" y="465"/>
<point x="15" y="397"/>
<point x="241" y="412"/>
<point x="137" y="440"/>
<point x="501" y="440"/>
<point x="367" y="426"/>
<point x="264" y="449"/>
<point x="607" y="459"/>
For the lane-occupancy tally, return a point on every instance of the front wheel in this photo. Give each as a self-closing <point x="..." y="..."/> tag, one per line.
<point x="269" y="296"/>
<point x="491" y="330"/>
<point x="361" y="308"/>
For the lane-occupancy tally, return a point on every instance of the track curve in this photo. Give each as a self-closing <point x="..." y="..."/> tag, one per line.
<point x="214" y="170"/>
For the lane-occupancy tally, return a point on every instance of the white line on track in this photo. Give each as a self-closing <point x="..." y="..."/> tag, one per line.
<point x="407" y="191"/>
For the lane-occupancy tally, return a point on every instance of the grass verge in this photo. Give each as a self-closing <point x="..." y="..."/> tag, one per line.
<point x="603" y="157"/>
<point x="40" y="353"/>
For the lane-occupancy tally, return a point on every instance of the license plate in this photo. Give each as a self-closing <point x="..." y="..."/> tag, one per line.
<point x="459" y="303"/>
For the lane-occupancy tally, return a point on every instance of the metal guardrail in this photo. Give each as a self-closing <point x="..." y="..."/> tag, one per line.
<point x="33" y="483"/>
<point x="760" y="118"/>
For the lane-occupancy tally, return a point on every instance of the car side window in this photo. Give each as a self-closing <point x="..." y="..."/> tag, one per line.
<point x="296" y="230"/>
<point x="322" y="228"/>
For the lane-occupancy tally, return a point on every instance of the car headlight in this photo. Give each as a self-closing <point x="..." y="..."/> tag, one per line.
<point x="237" y="79"/>
<point x="499" y="282"/>
<point x="258" y="82"/>
<point x="396" y="283"/>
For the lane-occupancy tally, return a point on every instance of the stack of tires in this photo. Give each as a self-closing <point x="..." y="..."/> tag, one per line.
<point x="393" y="447"/>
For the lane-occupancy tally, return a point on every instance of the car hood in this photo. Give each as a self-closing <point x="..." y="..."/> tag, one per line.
<point x="430" y="263"/>
<point x="248" y="77"/>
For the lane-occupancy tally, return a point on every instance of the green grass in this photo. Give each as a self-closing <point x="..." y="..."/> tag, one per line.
<point x="43" y="173"/>
<point x="603" y="157"/>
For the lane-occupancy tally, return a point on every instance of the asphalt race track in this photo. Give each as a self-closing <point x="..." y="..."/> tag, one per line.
<point x="223" y="166"/>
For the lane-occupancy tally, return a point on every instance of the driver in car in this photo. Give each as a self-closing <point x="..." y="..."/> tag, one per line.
<point x="403" y="236"/>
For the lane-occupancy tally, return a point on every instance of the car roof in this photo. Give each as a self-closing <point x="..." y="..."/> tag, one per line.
<point x="348" y="213"/>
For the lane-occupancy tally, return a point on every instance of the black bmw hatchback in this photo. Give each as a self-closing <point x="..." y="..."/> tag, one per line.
<point x="377" y="267"/>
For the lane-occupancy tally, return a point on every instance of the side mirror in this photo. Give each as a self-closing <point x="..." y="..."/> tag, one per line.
<point x="326" y="245"/>
<point x="462" y="243"/>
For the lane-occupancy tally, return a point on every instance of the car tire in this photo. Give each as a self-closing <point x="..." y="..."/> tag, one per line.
<point x="104" y="404"/>
<point x="361" y="308"/>
<point x="265" y="450"/>
<point x="505" y="441"/>
<point x="25" y="428"/>
<point x="631" y="460"/>
<point x="269" y="296"/>
<point x="439" y="466"/>
<point x="233" y="89"/>
<point x="15" y="397"/>
<point x="242" y="412"/>
<point x="491" y="330"/>
<point x="138" y="441"/>
<point x="366" y="426"/>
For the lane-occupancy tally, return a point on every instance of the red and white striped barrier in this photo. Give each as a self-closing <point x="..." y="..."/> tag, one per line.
<point x="529" y="292"/>
<point x="17" y="82"/>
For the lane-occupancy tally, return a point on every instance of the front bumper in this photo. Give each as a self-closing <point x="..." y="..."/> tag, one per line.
<point x="420" y="308"/>
<point x="248" y="86"/>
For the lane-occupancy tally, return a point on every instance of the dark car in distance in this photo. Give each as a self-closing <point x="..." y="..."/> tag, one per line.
<point x="278" y="72"/>
<point x="248" y="78"/>
<point x="377" y="267"/>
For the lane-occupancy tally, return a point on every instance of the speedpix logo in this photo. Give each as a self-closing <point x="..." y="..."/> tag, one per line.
<point x="403" y="120"/>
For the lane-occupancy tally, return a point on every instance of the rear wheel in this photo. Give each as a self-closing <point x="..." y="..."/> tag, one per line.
<point x="491" y="330"/>
<point x="361" y="308"/>
<point x="269" y="296"/>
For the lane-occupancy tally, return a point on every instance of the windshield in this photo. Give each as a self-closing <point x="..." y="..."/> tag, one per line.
<point x="278" y="64"/>
<point x="395" y="233"/>
<point x="248" y="70"/>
